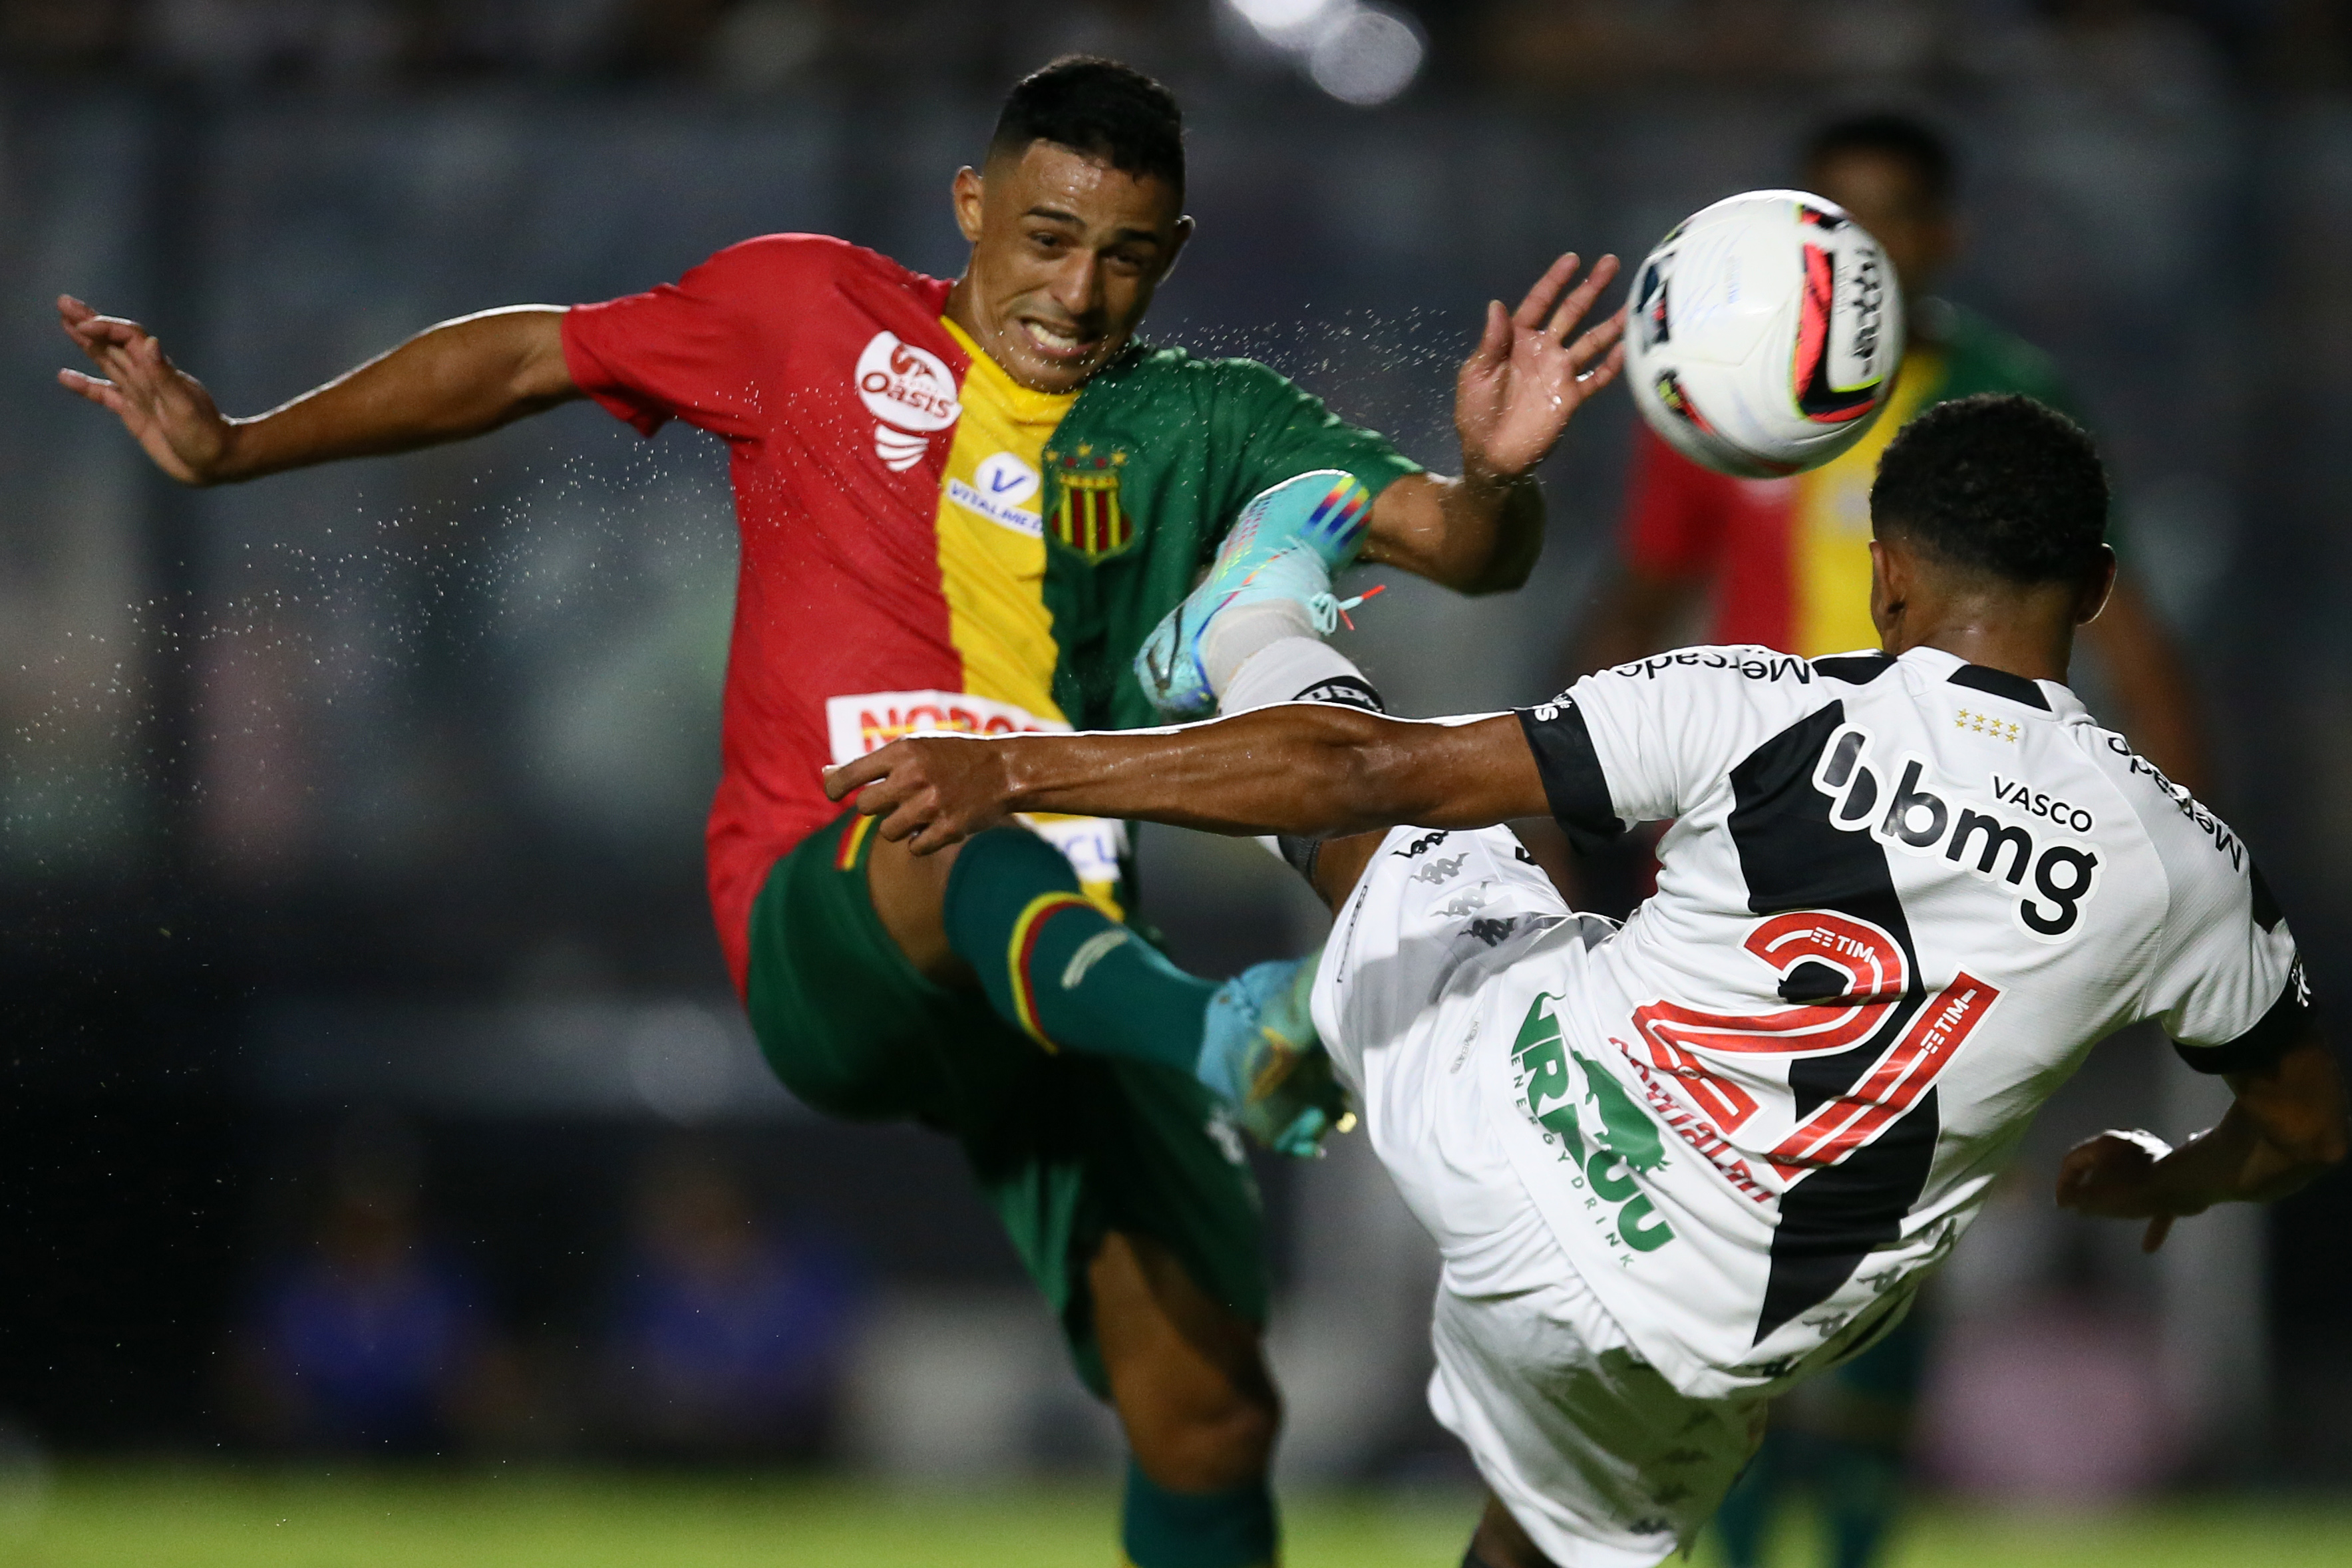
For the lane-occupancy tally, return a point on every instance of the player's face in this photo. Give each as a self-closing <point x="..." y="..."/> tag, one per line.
<point x="1066" y="252"/>
<point x="1885" y="197"/>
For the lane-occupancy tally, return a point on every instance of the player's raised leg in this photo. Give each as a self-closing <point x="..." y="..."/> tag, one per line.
<point x="1005" y="910"/>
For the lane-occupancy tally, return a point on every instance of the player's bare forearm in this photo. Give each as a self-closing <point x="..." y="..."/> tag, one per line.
<point x="1303" y="770"/>
<point x="1530" y="372"/>
<point x="459" y="379"/>
<point x="1476" y="534"/>
<point x="2285" y="1127"/>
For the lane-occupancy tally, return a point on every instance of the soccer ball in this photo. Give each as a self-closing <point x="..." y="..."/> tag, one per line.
<point x="1765" y="335"/>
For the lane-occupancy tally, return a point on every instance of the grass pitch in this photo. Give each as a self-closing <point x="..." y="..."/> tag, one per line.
<point x="216" y="1517"/>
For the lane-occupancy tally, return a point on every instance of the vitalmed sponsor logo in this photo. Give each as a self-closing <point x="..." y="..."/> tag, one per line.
<point x="1000" y="491"/>
<point x="911" y="391"/>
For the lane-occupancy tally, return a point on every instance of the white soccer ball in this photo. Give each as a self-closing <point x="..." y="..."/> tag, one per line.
<point x="1765" y="335"/>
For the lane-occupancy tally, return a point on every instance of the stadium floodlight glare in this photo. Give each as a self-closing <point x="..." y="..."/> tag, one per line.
<point x="1361" y="53"/>
<point x="1369" y="57"/>
<point x="1283" y="21"/>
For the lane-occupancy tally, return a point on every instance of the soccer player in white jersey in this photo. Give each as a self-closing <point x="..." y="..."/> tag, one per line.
<point x="1676" y="1167"/>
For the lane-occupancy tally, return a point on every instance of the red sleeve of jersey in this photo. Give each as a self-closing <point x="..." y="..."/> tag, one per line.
<point x="1675" y="512"/>
<point x="691" y="350"/>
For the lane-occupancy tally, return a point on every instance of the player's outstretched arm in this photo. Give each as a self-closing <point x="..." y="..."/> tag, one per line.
<point x="2285" y="1127"/>
<point x="1529" y="374"/>
<point x="1311" y="771"/>
<point x="461" y="377"/>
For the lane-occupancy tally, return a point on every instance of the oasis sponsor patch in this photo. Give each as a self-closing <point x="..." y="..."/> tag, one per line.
<point x="910" y="392"/>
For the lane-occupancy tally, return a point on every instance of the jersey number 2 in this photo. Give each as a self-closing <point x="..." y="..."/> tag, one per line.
<point x="1870" y="963"/>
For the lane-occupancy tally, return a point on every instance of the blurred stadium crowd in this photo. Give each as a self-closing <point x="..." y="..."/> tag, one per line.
<point x="762" y="45"/>
<point x="363" y="1086"/>
<point x="703" y="1330"/>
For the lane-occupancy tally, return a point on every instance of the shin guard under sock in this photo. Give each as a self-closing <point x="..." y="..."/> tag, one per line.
<point x="1059" y="968"/>
<point x="1232" y="1529"/>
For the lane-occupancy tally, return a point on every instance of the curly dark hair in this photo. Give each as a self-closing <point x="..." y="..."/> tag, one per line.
<point x="1099" y="107"/>
<point x="1997" y="482"/>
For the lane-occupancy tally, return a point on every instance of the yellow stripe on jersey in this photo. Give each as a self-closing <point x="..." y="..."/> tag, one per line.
<point x="993" y="569"/>
<point x="1829" y="525"/>
<point x="992" y="538"/>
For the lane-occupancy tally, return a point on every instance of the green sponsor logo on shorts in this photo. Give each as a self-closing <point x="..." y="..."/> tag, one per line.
<point x="1623" y="1139"/>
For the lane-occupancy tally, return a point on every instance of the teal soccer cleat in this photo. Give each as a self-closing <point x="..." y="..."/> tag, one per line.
<point x="1260" y="1055"/>
<point x="1289" y="541"/>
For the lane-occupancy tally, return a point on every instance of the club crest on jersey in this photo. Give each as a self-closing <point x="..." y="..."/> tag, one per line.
<point x="910" y="392"/>
<point x="1088" y="518"/>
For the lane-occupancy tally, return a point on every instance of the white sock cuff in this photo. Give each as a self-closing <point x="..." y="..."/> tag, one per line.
<point x="1296" y="669"/>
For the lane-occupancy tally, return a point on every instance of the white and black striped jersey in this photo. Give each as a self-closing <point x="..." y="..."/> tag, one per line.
<point x="1899" y="902"/>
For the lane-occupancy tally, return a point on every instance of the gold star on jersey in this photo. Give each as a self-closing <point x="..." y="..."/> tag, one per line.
<point x="1984" y="723"/>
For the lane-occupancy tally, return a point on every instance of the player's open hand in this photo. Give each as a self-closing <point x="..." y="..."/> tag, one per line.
<point x="167" y="410"/>
<point x="2115" y="1177"/>
<point x="1531" y="371"/>
<point x="929" y="791"/>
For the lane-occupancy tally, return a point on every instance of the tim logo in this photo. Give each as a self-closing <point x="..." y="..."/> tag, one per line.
<point x="911" y="391"/>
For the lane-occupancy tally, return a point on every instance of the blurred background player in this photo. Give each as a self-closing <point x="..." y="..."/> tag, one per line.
<point x="728" y="1334"/>
<point x="366" y="1337"/>
<point x="1785" y="563"/>
<point x="962" y="506"/>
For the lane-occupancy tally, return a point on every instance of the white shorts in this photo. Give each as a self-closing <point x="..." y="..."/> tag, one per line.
<point x="1600" y="1460"/>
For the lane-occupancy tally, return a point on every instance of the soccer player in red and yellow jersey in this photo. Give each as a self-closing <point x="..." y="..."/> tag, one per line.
<point x="962" y="507"/>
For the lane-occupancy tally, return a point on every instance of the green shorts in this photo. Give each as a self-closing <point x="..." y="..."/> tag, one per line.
<point x="1065" y="1147"/>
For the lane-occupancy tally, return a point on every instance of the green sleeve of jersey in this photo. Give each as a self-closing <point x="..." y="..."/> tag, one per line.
<point x="1277" y="430"/>
<point x="1984" y="359"/>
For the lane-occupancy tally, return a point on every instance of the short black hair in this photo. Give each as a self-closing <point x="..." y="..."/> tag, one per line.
<point x="1099" y="107"/>
<point x="1999" y="483"/>
<point x="1911" y="142"/>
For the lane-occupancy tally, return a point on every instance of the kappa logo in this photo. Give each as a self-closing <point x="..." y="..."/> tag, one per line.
<point x="1442" y="870"/>
<point x="1421" y="845"/>
<point x="1492" y="932"/>
<point x="911" y="391"/>
<point x="1345" y="690"/>
<point x="1469" y="901"/>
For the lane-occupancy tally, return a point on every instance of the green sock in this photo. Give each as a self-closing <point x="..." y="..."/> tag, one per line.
<point x="1057" y="967"/>
<point x="1163" y="1528"/>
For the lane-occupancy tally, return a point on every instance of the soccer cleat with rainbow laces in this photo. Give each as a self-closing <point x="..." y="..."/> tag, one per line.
<point x="1287" y="542"/>
<point x="1260" y="1054"/>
